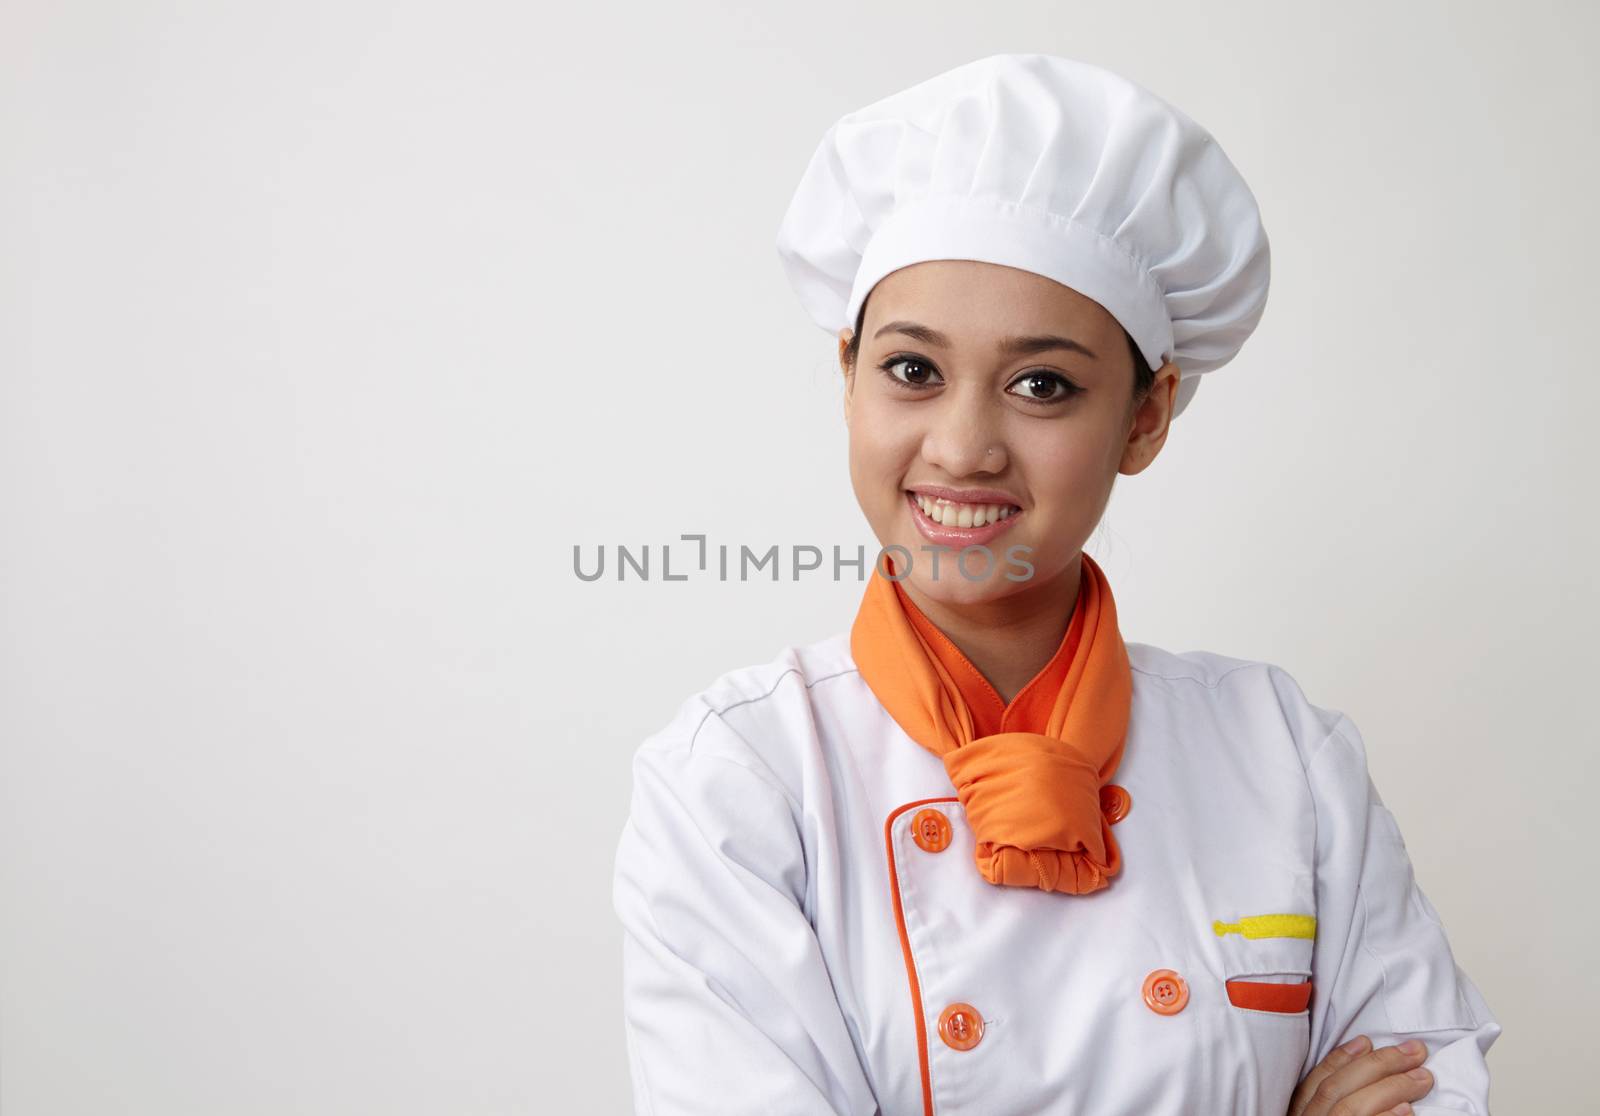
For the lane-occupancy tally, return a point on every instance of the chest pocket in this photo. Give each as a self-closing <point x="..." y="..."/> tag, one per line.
<point x="1266" y="961"/>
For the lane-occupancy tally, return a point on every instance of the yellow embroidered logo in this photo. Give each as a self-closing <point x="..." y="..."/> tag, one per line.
<point x="1269" y="926"/>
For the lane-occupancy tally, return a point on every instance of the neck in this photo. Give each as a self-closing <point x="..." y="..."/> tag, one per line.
<point x="1009" y="639"/>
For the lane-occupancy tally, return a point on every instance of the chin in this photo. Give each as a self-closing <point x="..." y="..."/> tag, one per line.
<point x="958" y="591"/>
<point x="988" y="580"/>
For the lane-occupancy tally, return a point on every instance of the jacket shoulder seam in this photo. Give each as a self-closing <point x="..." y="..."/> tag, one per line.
<point x="722" y="711"/>
<point x="1211" y="684"/>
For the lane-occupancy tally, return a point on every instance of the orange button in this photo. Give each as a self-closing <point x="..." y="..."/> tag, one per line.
<point x="961" y="1026"/>
<point x="1166" y="992"/>
<point x="1115" y="802"/>
<point x="930" y="829"/>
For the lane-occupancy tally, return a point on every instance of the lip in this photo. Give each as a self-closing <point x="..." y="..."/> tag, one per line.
<point x="958" y="537"/>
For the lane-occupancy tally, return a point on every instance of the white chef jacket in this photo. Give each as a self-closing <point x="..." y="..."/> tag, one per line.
<point x="768" y="865"/>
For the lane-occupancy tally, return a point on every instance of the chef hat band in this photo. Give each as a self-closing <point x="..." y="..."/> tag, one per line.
<point x="1049" y="165"/>
<point x="1047" y="244"/>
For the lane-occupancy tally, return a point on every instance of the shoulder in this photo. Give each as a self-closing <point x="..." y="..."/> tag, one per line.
<point x="762" y="716"/>
<point x="1252" y="700"/>
<point x="781" y="684"/>
<point x="722" y="782"/>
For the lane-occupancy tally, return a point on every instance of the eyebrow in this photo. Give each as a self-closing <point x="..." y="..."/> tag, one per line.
<point x="1012" y="346"/>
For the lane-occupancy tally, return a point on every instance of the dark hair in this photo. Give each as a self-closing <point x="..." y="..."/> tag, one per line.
<point x="1144" y="377"/>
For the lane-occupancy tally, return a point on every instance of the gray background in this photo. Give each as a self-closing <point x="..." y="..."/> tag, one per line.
<point x="327" y="330"/>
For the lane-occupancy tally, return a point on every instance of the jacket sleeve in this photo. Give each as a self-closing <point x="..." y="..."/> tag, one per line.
<point x="727" y="1002"/>
<point x="1382" y="965"/>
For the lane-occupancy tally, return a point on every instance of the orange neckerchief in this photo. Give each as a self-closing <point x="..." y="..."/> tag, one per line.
<point x="1029" y="779"/>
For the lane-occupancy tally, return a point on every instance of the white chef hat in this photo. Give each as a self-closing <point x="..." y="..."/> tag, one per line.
<point x="1050" y="165"/>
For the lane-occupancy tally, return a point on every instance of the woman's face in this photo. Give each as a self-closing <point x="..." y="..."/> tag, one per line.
<point x="991" y="406"/>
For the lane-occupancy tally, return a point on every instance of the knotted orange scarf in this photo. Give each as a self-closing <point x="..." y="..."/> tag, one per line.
<point x="1032" y="798"/>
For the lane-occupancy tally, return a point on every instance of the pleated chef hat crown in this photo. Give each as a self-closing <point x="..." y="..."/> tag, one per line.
<point x="1050" y="165"/>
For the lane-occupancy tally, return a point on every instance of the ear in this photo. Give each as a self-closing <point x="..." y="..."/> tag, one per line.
<point x="849" y="373"/>
<point x="1152" y="420"/>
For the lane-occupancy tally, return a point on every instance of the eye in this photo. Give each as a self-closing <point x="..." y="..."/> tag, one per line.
<point x="1044" y="386"/>
<point x="910" y="371"/>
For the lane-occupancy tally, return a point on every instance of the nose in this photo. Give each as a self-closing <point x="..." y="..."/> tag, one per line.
<point x="964" y="438"/>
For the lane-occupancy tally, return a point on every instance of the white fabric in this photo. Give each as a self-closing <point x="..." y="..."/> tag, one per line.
<point x="763" y="968"/>
<point x="1050" y="165"/>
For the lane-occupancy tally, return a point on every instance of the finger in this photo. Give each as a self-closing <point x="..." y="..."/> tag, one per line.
<point x="1384" y="1096"/>
<point x="1338" y="1058"/>
<point x="1364" y="1070"/>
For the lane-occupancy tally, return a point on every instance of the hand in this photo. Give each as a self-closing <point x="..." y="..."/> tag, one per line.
<point x="1355" y="1080"/>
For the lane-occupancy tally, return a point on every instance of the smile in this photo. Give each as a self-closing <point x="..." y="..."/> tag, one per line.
<point x="955" y="523"/>
<point x="948" y="513"/>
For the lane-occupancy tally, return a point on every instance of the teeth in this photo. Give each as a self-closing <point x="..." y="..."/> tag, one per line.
<point x="964" y="515"/>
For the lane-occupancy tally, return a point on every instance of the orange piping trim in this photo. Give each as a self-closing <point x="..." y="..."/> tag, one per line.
<point x="905" y="949"/>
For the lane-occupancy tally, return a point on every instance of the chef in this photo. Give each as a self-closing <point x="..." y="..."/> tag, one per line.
<point x="978" y="854"/>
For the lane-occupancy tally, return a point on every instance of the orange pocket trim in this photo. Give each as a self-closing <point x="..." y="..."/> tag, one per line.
<point x="1266" y="996"/>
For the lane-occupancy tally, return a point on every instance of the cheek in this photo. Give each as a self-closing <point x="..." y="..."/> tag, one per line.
<point x="881" y="451"/>
<point x="1068" y="475"/>
<point x="1073" y="459"/>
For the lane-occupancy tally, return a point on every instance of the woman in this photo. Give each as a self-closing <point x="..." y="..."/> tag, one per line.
<point x="979" y="854"/>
